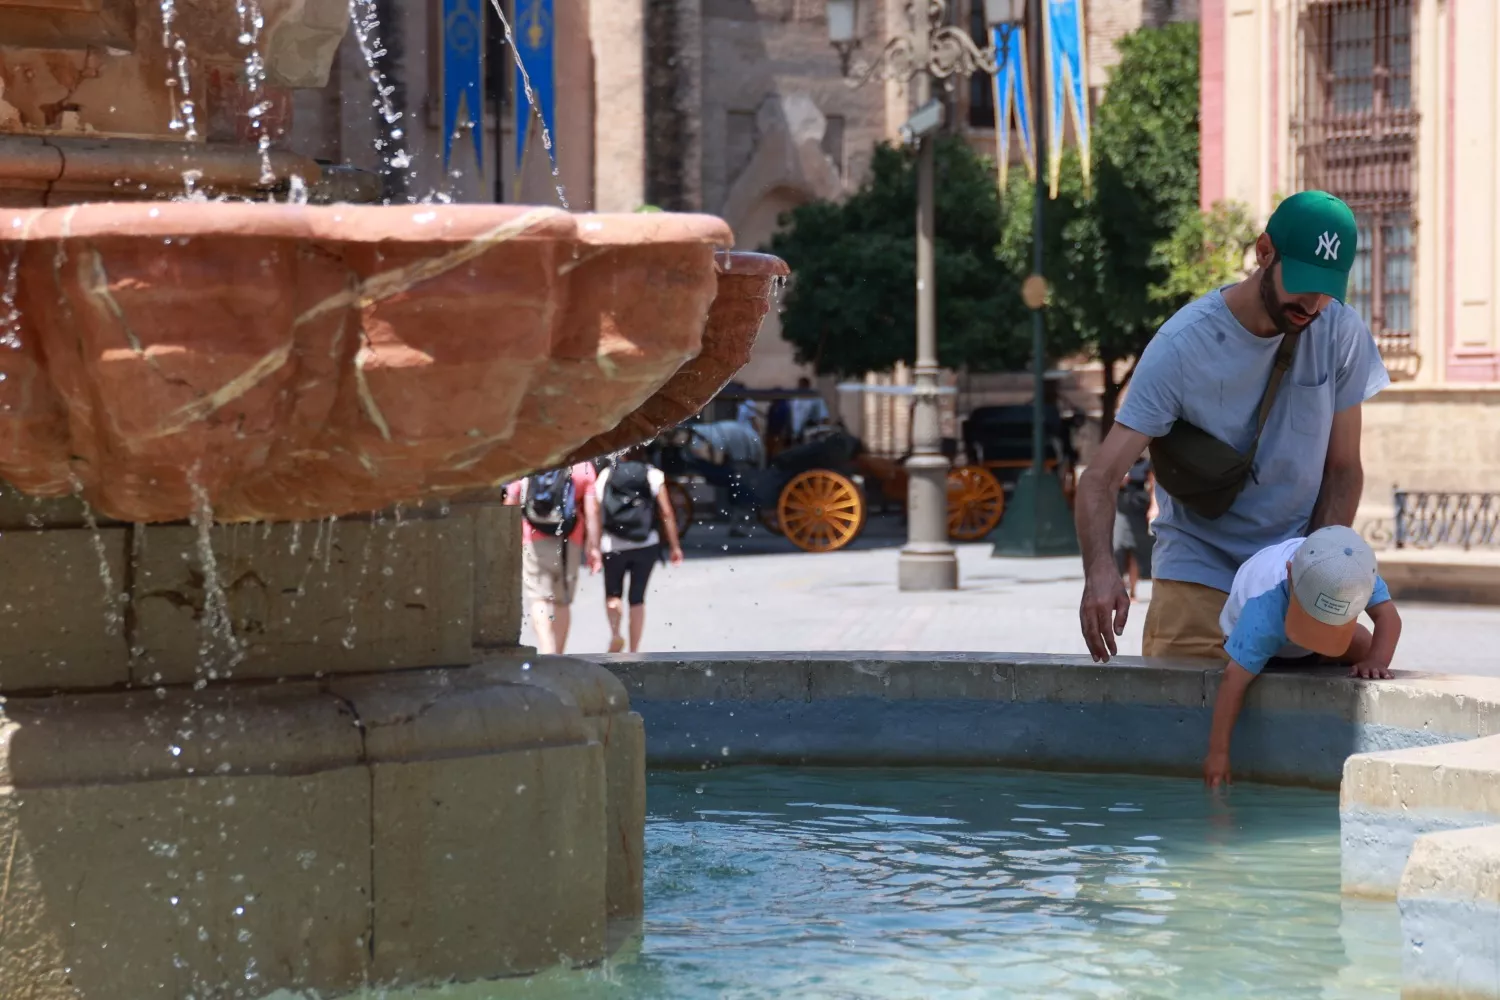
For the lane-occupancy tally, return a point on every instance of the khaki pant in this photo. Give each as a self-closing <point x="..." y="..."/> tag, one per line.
<point x="549" y="571"/>
<point x="1183" y="620"/>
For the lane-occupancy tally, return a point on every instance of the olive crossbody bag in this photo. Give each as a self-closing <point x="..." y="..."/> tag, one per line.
<point x="1205" y="474"/>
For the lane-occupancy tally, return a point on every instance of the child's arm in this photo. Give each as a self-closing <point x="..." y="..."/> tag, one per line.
<point x="1376" y="662"/>
<point x="1232" y="687"/>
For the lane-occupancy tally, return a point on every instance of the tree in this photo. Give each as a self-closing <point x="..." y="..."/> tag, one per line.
<point x="851" y="306"/>
<point x="1206" y="251"/>
<point x="1123" y="256"/>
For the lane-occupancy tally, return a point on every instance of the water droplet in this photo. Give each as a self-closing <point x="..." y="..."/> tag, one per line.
<point x="176" y="751"/>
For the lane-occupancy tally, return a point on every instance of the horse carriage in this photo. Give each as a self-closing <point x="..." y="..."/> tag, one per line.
<point x="818" y="493"/>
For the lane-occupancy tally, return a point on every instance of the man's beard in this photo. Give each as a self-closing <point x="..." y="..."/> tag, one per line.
<point x="1274" y="307"/>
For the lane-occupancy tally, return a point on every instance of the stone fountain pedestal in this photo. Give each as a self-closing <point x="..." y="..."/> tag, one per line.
<point x="385" y="789"/>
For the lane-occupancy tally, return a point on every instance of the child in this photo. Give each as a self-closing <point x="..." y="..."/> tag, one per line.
<point x="1293" y="600"/>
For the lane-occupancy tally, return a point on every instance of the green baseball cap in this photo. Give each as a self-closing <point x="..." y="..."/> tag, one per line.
<point x="1317" y="237"/>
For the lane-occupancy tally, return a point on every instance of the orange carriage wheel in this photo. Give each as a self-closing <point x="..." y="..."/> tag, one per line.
<point x="820" y="511"/>
<point x="975" y="503"/>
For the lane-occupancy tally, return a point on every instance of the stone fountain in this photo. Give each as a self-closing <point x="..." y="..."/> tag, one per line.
<point x="267" y="725"/>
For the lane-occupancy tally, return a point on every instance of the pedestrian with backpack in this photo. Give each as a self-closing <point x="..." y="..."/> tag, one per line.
<point x="636" y="511"/>
<point x="559" y="530"/>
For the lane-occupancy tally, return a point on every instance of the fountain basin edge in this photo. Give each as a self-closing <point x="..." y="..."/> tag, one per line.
<point x="294" y="362"/>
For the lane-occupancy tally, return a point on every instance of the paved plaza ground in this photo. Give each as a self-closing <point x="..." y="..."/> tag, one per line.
<point x="759" y="593"/>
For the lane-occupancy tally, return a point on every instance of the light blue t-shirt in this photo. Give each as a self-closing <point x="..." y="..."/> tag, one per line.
<point x="1254" y="617"/>
<point x="1203" y="365"/>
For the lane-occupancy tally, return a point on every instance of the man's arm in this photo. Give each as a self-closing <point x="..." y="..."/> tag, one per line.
<point x="1343" y="473"/>
<point x="1105" y="603"/>
<point x="1233" y="684"/>
<point x="669" y="526"/>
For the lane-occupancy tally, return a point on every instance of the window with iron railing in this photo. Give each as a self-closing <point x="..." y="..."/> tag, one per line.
<point x="1356" y="133"/>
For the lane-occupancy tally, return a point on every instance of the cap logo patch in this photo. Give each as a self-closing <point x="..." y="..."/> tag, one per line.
<point x="1328" y="246"/>
<point x="1331" y="606"/>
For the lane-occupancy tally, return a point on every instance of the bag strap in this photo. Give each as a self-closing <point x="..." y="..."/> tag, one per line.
<point x="1285" y="355"/>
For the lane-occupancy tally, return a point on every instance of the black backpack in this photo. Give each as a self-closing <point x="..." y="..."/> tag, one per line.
<point x="551" y="504"/>
<point x="629" y="508"/>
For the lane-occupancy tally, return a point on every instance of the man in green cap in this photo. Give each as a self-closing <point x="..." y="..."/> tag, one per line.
<point x="1249" y="399"/>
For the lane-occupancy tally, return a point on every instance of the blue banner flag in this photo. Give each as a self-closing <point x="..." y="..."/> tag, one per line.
<point x="1067" y="82"/>
<point x="463" y="73"/>
<point x="534" y="24"/>
<point x="1012" y="99"/>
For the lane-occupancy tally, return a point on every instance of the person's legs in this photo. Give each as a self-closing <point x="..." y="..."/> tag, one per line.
<point x="1183" y="620"/>
<point x="641" y="564"/>
<point x="615" y="564"/>
<point x="562" y="613"/>
<point x="637" y="626"/>
<point x="539" y="592"/>
<point x="562" y="619"/>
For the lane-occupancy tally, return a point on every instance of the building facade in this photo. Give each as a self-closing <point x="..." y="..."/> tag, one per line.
<point x="1394" y="105"/>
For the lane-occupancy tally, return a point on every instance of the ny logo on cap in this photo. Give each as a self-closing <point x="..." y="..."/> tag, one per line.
<point x="1328" y="246"/>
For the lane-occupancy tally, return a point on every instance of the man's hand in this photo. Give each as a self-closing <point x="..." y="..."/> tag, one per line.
<point x="1105" y="604"/>
<point x="596" y="561"/>
<point x="1216" y="769"/>
<point x="1105" y="607"/>
<point x="676" y="555"/>
<point x="1372" y="668"/>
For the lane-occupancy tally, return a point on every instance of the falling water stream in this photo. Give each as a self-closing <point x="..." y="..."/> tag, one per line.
<point x="10" y="311"/>
<point x="562" y="195"/>
<point x="252" y="21"/>
<point x="218" y="622"/>
<point x="366" y="20"/>
<point x="184" y="110"/>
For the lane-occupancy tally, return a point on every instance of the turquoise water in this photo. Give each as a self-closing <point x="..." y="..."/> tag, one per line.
<point x="946" y="883"/>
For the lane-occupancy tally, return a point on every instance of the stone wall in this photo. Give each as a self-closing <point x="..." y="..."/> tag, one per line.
<point x="363" y="833"/>
<point x="134" y="605"/>
<point x="1434" y="439"/>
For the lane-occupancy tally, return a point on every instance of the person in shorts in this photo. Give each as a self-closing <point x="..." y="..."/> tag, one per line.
<point x="1300" y="600"/>
<point x="559" y="530"/>
<point x="1212" y="367"/>
<point x="636" y="511"/>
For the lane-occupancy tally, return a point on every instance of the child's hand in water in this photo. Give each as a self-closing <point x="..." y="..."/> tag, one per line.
<point x="1216" y="769"/>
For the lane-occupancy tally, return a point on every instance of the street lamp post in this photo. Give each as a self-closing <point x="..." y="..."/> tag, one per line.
<point x="1037" y="519"/>
<point x="932" y="50"/>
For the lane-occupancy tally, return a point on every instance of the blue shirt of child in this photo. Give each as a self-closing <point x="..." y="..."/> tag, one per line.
<point x="1254" y="616"/>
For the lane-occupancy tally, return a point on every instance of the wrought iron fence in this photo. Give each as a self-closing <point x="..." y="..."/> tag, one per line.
<point x="1446" y="520"/>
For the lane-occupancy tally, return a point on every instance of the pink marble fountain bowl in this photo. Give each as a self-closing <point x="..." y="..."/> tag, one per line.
<point x="286" y="362"/>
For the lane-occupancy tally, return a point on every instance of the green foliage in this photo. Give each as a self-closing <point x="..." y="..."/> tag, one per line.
<point x="1121" y="253"/>
<point x="1206" y="251"/>
<point x="851" y="307"/>
<point x="1125" y="253"/>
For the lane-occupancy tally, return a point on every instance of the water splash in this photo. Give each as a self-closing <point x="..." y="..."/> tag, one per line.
<point x="252" y="21"/>
<point x="562" y="195"/>
<point x="10" y="309"/>
<point x="366" y="20"/>
<point x="113" y="599"/>
<point x="184" y="110"/>
<point x="358" y="589"/>
<point x="218" y="624"/>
